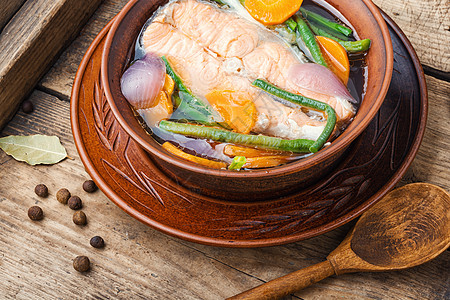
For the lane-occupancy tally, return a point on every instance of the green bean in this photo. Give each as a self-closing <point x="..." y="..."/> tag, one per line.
<point x="309" y="39"/>
<point x="189" y="110"/>
<point x="291" y="24"/>
<point x="237" y="163"/>
<point x="350" y="46"/>
<point x="222" y="135"/>
<point x="181" y="87"/>
<point x="318" y="30"/>
<point x="307" y="102"/>
<point x="356" y="46"/>
<point x="313" y="17"/>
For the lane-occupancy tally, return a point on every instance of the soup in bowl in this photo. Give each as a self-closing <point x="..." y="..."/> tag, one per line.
<point x="240" y="101"/>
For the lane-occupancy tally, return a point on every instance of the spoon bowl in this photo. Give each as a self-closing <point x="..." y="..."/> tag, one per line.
<point x="408" y="227"/>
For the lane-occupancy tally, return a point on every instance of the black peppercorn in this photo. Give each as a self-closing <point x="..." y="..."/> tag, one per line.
<point x="35" y="213"/>
<point x="27" y="107"/>
<point x="41" y="190"/>
<point x="81" y="263"/>
<point x="63" y="196"/>
<point x="97" y="242"/>
<point x="75" y="202"/>
<point x="79" y="218"/>
<point x="89" y="186"/>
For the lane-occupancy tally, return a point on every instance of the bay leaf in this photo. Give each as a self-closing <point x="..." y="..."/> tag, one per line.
<point x="34" y="149"/>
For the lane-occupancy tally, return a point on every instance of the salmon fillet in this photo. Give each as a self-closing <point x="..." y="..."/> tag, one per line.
<point x="211" y="49"/>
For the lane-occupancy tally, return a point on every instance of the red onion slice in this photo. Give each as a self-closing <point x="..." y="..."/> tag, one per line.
<point x="143" y="81"/>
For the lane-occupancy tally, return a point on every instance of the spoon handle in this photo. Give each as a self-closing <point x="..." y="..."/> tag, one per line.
<point x="283" y="286"/>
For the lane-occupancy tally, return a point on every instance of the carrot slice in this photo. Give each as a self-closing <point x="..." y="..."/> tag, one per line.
<point x="195" y="159"/>
<point x="265" y="161"/>
<point x="233" y="150"/>
<point x="236" y="108"/>
<point x="169" y="85"/>
<point x="272" y="12"/>
<point x="336" y="57"/>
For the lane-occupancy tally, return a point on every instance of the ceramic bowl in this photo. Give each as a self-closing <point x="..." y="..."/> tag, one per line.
<point x="259" y="184"/>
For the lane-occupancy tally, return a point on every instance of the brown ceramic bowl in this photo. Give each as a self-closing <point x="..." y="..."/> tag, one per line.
<point x="254" y="184"/>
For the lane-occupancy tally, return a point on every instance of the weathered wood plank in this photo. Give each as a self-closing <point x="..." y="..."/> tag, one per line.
<point x="8" y="10"/>
<point x="60" y="77"/>
<point x="427" y="26"/>
<point x="30" y="42"/>
<point x="432" y="163"/>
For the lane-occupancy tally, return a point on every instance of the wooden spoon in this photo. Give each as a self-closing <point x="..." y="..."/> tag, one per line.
<point x="408" y="227"/>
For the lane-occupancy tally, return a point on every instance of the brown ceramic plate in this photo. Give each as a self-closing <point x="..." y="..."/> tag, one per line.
<point x="375" y="162"/>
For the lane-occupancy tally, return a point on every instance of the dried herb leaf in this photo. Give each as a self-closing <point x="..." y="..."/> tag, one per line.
<point x="34" y="149"/>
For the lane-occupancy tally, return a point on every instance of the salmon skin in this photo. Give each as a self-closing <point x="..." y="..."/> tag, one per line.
<point x="216" y="49"/>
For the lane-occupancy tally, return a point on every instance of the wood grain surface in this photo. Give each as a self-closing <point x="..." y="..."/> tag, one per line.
<point x="141" y="263"/>
<point x="427" y="25"/>
<point x="8" y="10"/>
<point x="30" y="42"/>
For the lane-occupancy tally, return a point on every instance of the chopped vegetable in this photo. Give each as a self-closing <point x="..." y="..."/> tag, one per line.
<point x="307" y="36"/>
<point x="142" y="81"/>
<point x="221" y="135"/>
<point x="356" y="46"/>
<point x="195" y="159"/>
<point x="313" y="17"/>
<point x="272" y="12"/>
<point x="350" y="46"/>
<point x="237" y="163"/>
<point x="291" y="24"/>
<point x="161" y="109"/>
<point x="307" y="102"/>
<point x="265" y="161"/>
<point x="189" y="106"/>
<point x="336" y="57"/>
<point x="162" y="106"/>
<point x="163" y="101"/>
<point x="236" y="108"/>
<point x="169" y="85"/>
<point x="233" y="150"/>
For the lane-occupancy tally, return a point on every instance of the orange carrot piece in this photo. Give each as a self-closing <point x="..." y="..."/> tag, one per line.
<point x="335" y="56"/>
<point x="195" y="159"/>
<point x="272" y="12"/>
<point x="265" y="161"/>
<point x="236" y="108"/>
<point x="169" y="86"/>
<point x="233" y="150"/>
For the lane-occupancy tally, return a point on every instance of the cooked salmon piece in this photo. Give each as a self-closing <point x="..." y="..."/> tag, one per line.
<point x="223" y="33"/>
<point x="199" y="70"/>
<point x="211" y="49"/>
<point x="274" y="63"/>
<point x="277" y="119"/>
<point x="270" y="61"/>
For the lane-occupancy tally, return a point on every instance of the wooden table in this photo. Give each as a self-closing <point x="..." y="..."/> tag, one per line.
<point x="141" y="263"/>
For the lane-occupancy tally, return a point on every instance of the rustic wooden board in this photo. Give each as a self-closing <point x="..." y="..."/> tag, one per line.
<point x="8" y="10"/>
<point x="60" y="77"/>
<point x="427" y="26"/>
<point x="138" y="262"/>
<point x="30" y="42"/>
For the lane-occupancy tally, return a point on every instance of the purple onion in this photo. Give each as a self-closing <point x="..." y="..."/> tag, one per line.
<point x="143" y="81"/>
<point x="319" y="79"/>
